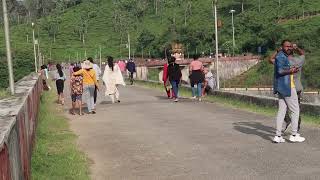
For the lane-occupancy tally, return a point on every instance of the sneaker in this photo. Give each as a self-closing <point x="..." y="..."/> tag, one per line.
<point x="176" y="100"/>
<point x="200" y="99"/>
<point x="278" y="139"/>
<point x="297" y="138"/>
<point x="194" y="97"/>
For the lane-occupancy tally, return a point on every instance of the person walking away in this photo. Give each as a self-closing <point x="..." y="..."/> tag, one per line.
<point x="174" y="76"/>
<point x="296" y="59"/>
<point x="44" y="76"/>
<point x="97" y="69"/>
<point x="209" y="82"/>
<point x="112" y="78"/>
<point x="76" y="85"/>
<point x="284" y="86"/>
<point x="89" y="84"/>
<point x="166" y="82"/>
<point x="131" y="67"/>
<point x="59" y="77"/>
<point x="196" y="77"/>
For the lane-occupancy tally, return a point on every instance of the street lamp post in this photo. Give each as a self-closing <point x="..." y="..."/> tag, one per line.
<point x="217" y="46"/>
<point x="34" y="49"/>
<point x="259" y="6"/>
<point x="129" y="46"/>
<point x="39" y="53"/>
<point x="233" y="40"/>
<point x="7" y="37"/>
<point x="100" y="57"/>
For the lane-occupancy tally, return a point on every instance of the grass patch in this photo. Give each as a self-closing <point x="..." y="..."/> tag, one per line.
<point x="153" y="74"/>
<point x="55" y="155"/>
<point x="233" y="103"/>
<point x="4" y="93"/>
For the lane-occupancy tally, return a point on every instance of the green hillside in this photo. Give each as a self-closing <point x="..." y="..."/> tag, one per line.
<point x="261" y="75"/>
<point x="154" y="26"/>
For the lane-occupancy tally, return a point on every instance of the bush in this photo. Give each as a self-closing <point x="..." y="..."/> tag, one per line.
<point x="23" y="65"/>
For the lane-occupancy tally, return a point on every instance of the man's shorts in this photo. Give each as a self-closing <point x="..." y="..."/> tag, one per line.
<point x="75" y="97"/>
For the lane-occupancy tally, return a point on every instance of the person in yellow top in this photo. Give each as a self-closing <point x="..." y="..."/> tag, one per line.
<point x="89" y="84"/>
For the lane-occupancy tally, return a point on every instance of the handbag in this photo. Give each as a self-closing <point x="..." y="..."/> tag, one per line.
<point x="45" y="86"/>
<point x="168" y="85"/>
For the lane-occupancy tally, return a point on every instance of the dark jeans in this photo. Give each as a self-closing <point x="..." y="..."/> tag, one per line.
<point x="198" y="89"/>
<point x="95" y="94"/>
<point x="287" y="118"/>
<point x="60" y="86"/>
<point x="175" y="87"/>
<point x="131" y="77"/>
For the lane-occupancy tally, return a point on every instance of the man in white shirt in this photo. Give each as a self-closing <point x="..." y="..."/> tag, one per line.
<point x="97" y="69"/>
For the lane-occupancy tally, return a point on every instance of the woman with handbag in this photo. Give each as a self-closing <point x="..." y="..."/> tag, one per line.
<point x="89" y="84"/>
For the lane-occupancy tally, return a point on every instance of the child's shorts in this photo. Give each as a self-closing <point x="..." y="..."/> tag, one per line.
<point x="75" y="97"/>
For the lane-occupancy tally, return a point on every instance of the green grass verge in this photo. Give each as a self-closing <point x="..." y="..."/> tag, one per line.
<point x="4" y="93"/>
<point x="55" y="154"/>
<point x="153" y="74"/>
<point x="233" y="103"/>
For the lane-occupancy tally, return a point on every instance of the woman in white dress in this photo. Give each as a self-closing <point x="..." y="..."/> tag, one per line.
<point x="112" y="78"/>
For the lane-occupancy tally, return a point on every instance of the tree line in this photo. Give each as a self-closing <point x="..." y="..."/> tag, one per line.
<point x="24" y="11"/>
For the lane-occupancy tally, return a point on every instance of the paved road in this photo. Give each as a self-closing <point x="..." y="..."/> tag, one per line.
<point x="149" y="137"/>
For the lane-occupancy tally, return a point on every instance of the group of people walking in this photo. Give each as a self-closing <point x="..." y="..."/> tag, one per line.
<point x="287" y="60"/>
<point x="201" y="79"/>
<point x="84" y="83"/>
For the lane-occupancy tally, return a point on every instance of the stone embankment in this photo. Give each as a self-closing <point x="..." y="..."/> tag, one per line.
<point x="232" y="66"/>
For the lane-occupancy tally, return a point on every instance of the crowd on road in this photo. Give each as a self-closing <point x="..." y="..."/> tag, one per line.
<point x="84" y="80"/>
<point x="201" y="79"/>
<point x="287" y="60"/>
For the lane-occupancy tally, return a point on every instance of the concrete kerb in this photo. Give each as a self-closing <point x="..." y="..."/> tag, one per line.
<point x="307" y="108"/>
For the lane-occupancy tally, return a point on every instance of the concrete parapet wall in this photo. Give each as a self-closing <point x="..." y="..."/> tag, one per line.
<point x="229" y="68"/>
<point x="232" y="68"/>
<point x="18" y="117"/>
<point x="261" y="100"/>
<point x="141" y="73"/>
<point x="308" y="108"/>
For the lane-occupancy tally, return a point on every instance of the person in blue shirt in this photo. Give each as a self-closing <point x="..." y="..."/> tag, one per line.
<point x="297" y="59"/>
<point x="284" y="86"/>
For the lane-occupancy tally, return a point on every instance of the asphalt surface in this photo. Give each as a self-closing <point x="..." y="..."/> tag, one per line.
<point x="147" y="137"/>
